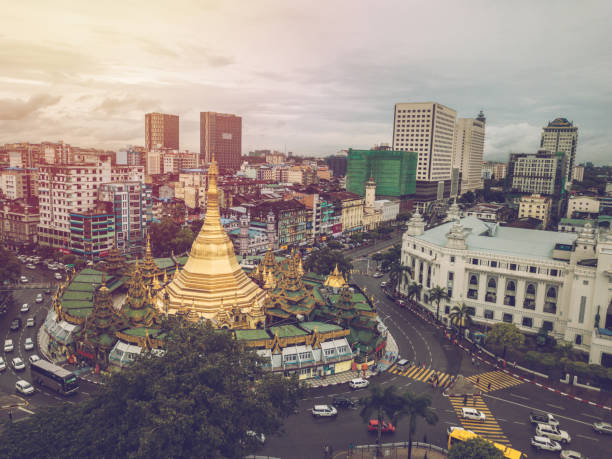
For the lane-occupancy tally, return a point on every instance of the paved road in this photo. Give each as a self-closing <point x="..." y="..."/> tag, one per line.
<point x="24" y="406"/>
<point x="507" y="404"/>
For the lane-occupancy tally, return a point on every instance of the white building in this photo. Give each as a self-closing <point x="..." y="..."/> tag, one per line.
<point x="542" y="172"/>
<point x="428" y="129"/>
<point x="154" y="163"/>
<point x="468" y="148"/>
<point x="389" y="209"/>
<point x="535" y="206"/>
<point x="534" y="279"/>
<point x="582" y="205"/>
<point x="561" y="135"/>
<point x="578" y="173"/>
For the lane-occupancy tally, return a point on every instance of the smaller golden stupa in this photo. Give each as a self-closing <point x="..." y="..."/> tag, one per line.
<point x="335" y="279"/>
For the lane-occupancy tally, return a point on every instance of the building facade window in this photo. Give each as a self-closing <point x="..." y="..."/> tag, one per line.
<point x="488" y="314"/>
<point x="583" y="300"/>
<point x="527" y="322"/>
<point x="530" y="295"/>
<point x="547" y="325"/>
<point x="550" y="303"/>
<point x="491" y="295"/>
<point x="507" y="318"/>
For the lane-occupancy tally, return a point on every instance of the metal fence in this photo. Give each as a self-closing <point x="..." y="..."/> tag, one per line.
<point x="392" y="450"/>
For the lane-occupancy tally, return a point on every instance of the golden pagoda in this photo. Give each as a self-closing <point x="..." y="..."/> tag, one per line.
<point x="335" y="279"/>
<point x="212" y="274"/>
<point x="150" y="271"/>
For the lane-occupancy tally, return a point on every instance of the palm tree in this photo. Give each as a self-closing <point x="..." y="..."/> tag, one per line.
<point x="461" y="316"/>
<point x="438" y="294"/>
<point x="416" y="406"/>
<point x="397" y="274"/>
<point x="414" y="289"/>
<point x="382" y="403"/>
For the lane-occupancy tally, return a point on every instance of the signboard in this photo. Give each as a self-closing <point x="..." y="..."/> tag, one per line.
<point x="337" y="228"/>
<point x="226" y="136"/>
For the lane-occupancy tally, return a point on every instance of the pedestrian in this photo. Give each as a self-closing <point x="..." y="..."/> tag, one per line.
<point x="465" y="397"/>
<point x="477" y="381"/>
<point x="11" y="415"/>
<point x="489" y="387"/>
<point x="326" y="451"/>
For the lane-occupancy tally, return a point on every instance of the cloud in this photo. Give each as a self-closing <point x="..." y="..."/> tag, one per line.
<point x="17" y="109"/>
<point x="117" y="105"/>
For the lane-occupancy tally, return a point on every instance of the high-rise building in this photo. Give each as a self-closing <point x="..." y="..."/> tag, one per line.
<point x="428" y="129"/>
<point x="161" y="131"/>
<point x="393" y="171"/>
<point x="221" y="136"/>
<point x="540" y="173"/>
<point x="561" y="135"/>
<point x="468" y="149"/>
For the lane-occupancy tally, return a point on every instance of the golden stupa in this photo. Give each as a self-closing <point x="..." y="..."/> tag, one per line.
<point x="335" y="279"/>
<point x="212" y="285"/>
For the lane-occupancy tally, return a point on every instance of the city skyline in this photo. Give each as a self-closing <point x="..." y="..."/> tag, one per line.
<point x="316" y="90"/>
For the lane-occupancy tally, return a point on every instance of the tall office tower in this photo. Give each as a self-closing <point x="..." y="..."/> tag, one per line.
<point x="161" y="131"/>
<point x="540" y="173"/>
<point x="221" y="135"/>
<point x="426" y="128"/>
<point x="468" y="148"/>
<point x="561" y="135"/>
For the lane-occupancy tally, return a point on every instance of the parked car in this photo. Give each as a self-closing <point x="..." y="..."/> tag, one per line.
<point x="324" y="411"/>
<point x="473" y="413"/>
<point x="29" y="344"/>
<point x="546" y="430"/>
<point x="8" y="345"/>
<point x="545" y="418"/>
<point x="261" y="438"/>
<point x="18" y="364"/>
<point x="358" y="383"/>
<point x="602" y="427"/>
<point x="25" y="307"/>
<point x="383" y="284"/>
<point x="545" y="443"/>
<point x="30" y="266"/>
<point x="343" y="402"/>
<point x="569" y="454"/>
<point x="16" y="324"/>
<point x="403" y="362"/>
<point x="24" y="387"/>
<point x="30" y="322"/>
<point x="23" y="280"/>
<point x="33" y="358"/>
<point x="58" y="276"/>
<point x="386" y="427"/>
<point x="2" y="364"/>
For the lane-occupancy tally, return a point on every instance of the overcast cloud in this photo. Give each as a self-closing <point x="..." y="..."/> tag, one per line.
<point x="309" y="77"/>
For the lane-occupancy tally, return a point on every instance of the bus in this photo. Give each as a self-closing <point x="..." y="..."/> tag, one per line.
<point x="54" y="377"/>
<point x="459" y="435"/>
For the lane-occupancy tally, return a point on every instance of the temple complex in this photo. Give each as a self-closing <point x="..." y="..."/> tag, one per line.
<point x="212" y="285"/>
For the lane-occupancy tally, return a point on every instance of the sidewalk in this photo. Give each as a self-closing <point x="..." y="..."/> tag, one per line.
<point x="392" y="451"/>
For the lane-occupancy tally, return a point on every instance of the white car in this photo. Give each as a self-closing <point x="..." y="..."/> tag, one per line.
<point x="30" y="266"/>
<point x="29" y="344"/>
<point x="2" y="364"/>
<point x="23" y="279"/>
<point x="58" y="276"/>
<point x="18" y="364"/>
<point x="473" y="413"/>
<point x="602" y="427"/>
<point x="383" y="284"/>
<point x="33" y="358"/>
<point x="25" y="307"/>
<point x="403" y="362"/>
<point x="39" y="298"/>
<point x="545" y="443"/>
<point x="358" y="383"/>
<point x="261" y="438"/>
<point x="324" y="411"/>
<point x="30" y="322"/>
<point x="546" y="430"/>
<point x="569" y="454"/>
<point x="24" y="387"/>
<point x="453" y="428"/>
<point x="8" y="345"/>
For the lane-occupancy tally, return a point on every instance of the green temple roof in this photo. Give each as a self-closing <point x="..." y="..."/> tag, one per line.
<point x="321" y="327"/>
<point x="247" y="335"/>
<point x="286" y="331"/>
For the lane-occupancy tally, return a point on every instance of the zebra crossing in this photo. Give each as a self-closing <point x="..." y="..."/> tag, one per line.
<point x="418" y="373"/>
<point x="494" y="380"/>
<point x="489" y="429"/>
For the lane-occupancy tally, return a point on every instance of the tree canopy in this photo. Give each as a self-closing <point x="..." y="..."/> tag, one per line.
<point x="323" y="261"/>
<point x="10" y="269"/>
<point x="505" y="335"/>
<point x="475" y="448"/>
<point x="200" y="399"/>
<point x="168" y="237"/>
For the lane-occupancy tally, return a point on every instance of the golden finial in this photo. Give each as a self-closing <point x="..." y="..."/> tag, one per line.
<point x="165" y="276"/>
<point x="148" y="251"/>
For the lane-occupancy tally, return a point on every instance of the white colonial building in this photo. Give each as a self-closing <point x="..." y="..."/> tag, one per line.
<point x="559" y="281"/>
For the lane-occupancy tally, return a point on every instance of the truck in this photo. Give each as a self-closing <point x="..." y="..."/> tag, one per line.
<point x="545" y="418"/>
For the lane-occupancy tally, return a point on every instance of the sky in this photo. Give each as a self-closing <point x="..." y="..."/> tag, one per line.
<point x="307" y="77"/>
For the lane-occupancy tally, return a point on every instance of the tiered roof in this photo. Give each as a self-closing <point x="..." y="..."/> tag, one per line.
<point x="150" y="271"/>
<point x="139" y="306"/>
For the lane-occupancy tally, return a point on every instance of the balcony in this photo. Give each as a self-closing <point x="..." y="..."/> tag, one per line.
<point x="529" y="304"/>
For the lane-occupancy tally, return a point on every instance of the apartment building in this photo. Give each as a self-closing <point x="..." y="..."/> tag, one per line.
<point x="161" y="131"/>
<point x="92" y="233"/>
<point x="536" y="206"/>
<point x="19" y="183"/>
<point x="18" y="224"/>
<point x="583" y="206"/>
<point x="541" y="173"/>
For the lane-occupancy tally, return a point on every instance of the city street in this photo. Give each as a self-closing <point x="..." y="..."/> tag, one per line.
<point x="20" y="406"/>
<point x="507" y="404"/>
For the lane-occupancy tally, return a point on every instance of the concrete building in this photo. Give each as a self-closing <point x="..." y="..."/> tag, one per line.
<point x="221" y="136"/>
<point x="487" y="212"/>
<point x="561" y="135"/>
<point x="154" y="163"/>
<point x="92" y="233"/>
<point x="389" y="209"/>
<point x="578" y="173"/>
<point x="583" y="206"/>
<point x="492" y="169"/>
<point x="371" y="215"/>
<point x="536" y="206"/>
<point x="350" y="207"/>
<point x="131" y="206"/>
<point x="428" y="129"/>
<point x="161" y="131"/>
<point x="530" y="278"/>
<point x="542" y="173"/>
<point x="18" y="224"/>
<point x="393" y="171"/>
<point x="468" y="149"/>
<point x="18" y="183"/>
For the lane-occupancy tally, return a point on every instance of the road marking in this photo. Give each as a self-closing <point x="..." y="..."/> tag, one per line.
<point x="520" y="423"/>
<point x="519" y="396"/>
<point x="591" y="416"/>
<point x="21" y="408"/>
<point x="587" y="437"/>
<point x="556" y="406"/>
